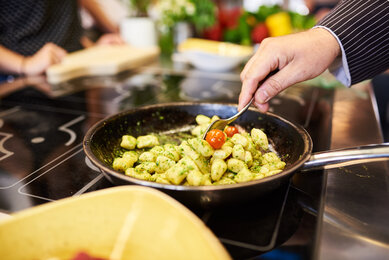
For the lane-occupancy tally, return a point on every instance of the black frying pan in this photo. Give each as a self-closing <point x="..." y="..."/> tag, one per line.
<point x="292" y="142"/>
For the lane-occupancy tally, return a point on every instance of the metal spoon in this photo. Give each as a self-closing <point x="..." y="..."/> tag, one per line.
<point x="222" y="123"/>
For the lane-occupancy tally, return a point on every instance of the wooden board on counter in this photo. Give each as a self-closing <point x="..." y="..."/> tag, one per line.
<point x="100" y="61"/>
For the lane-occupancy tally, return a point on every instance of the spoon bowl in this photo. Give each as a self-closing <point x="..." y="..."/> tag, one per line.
<point x="222" y="123"/>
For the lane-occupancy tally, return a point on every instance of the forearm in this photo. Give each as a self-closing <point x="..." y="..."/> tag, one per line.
<point x="102" y="20"/>
<point x="36" y="64"/>
<point x="11" y="62"/>
<point x="362" y="29"/>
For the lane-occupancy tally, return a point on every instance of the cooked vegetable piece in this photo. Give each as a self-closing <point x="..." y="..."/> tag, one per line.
<point x="270" y="158"/>
<point x="240" y="139"/>
<point x="147" y="157"/>
<point x="138" y="173"/>
<point x="201" y="146"/>
<point x="222" y="153"/>
<point x="258" y="176"/>
<point x="260" y="138"/>
<point x="215" y="138"/>
<point x="226" y="157"/>
<point x="228" y="143"/>
<point x="238" y="152"/>
<point x="214" y="118"/>
<point x="200" y="161"/>
<point x="253" y="150"/>
<point x="179" y="171"/>
<point x="128" y="142"/>
<point x="171" y="152"/>
<point x="248" y="158"/>
<point x="231" y="130"/>
<point x="163" y="163"/>
<point x="235" y="165"/>
<point x="207" y="179"/>
<point x="199" y="130"/>
<point x="195" y="178"/>
<point x="157" y="150"/>
<point x="120" y="164"/>
<point x="224" y="181"/>
<point x="147" y="141"/>
<point x="218" y="168"/>
<point x="202" y="119"/>
<point x="147" y="166"/>
<point x="126" y="161"/>
<point x="244" y="175"/>
<point x="160" y="178"/>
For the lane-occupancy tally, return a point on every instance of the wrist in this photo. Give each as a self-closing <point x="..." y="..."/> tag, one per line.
<point x="22" y="66"/>
<point x="329" y="39"/>
<point x="24" y="70"/>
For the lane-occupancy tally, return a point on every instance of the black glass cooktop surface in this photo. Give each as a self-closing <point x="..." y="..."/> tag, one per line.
<point x="42" y="160"/>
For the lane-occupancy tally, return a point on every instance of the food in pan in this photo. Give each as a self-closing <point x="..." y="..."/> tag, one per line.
<point x="225" y="157"/>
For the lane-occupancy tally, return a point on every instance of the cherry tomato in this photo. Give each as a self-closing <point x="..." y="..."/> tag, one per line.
<point x="231" y="130"/>
<point x="215" y="138"/>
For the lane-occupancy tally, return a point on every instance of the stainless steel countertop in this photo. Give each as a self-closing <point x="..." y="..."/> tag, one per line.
<point x="355" y="210"/>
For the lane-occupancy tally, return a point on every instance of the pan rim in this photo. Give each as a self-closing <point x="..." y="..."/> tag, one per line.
<point x="104" y="169"/>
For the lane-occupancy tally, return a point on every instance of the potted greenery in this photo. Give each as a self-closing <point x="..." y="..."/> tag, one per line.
<point x="179" y="19"/>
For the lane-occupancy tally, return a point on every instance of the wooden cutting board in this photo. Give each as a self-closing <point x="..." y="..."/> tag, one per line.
<point x="100" y="61"/>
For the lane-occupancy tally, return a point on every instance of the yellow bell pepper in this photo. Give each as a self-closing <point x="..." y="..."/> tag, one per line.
<point x="279" y="24"/>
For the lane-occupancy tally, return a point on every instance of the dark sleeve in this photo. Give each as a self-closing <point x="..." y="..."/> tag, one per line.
<point x="362" y="27"/>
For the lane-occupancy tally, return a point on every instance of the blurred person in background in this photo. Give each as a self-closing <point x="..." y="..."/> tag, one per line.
<point x="35" y="34"/>
<point x="103" y="16"/>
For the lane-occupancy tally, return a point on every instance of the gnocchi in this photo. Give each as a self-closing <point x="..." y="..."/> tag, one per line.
<point x="242" y="158"/>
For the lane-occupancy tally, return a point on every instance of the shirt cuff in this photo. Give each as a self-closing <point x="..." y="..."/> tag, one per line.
<point x="339" y="68"/>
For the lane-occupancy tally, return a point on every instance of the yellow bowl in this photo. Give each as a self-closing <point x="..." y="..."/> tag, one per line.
<point x="126" y="222"/>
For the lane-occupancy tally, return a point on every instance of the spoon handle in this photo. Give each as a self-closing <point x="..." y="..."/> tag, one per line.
<point x="234" y="117"/>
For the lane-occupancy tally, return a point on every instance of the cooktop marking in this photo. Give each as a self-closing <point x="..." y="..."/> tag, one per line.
<point x="20" y="190"/>
<point x="37" y="140"/>
<point x="46" y="165"/>
<point x="64" y="128"/>
<point x="89" y="185"/>
<point x="2" y="149"/>
<point x="6" y="135"/>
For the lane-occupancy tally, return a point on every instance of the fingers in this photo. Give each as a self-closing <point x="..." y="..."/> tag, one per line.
<point x="59" y="52"/>
<point x="288" y="76"/>
<point x="110" y="39"/>
<point x="249" y="86"/>
<point x="272" y="86"/>
<point x="48" y="55"/>
<point x="297" y="57"/>
<point x="262" y="107"/>
<point x="54" y="52"/>
<point x="256" y="70"/>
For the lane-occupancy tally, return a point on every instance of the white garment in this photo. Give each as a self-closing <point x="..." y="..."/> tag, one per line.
<point x="339" y="68"/>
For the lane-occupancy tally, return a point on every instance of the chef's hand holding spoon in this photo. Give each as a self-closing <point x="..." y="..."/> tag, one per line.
<point x="297" y="57"/>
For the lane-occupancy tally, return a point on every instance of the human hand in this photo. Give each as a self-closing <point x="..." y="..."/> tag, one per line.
<point x="48" y="55"/>
<point x="298" y="57"/>
<point x="110" y="39"/>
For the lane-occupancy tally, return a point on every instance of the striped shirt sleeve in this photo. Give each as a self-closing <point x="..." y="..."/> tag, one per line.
<point x="362" y="29"/>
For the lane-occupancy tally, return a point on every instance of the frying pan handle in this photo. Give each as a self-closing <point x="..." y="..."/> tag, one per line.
<point x="348" y="156"/>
